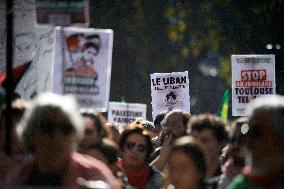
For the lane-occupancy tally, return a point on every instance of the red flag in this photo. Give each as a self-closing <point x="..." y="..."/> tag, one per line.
<point x="18" y="73"/>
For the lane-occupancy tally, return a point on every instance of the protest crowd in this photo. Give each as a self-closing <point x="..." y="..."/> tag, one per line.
<point x="55" y="145"/>
<point x="61" y="130"/>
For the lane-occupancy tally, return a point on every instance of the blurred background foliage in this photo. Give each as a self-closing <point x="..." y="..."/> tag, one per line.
<point x="198" y="36"/>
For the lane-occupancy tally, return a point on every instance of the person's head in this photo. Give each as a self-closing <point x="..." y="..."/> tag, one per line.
<point x="210" y="131"/>
<point x="107" y="151"/>
<point x="186" y="167"/>
<point x="265" y="136"/>
<point x="237" y="137"/>
<point x="233" y="154"/>
<point x="51" y="129"/>
<point x="94" y="127"/>
<point x="135" y="145"/>
<point x="18" y="108"/>
<point x="175" y="123"/>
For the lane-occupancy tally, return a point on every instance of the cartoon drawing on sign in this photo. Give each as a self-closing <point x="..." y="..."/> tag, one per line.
<point x="82" y="51"/>
<point x="26" y="49"/>
<point x="91" y="49"/>
<point x="46" y="41"/>
<point x="171" y="99"/>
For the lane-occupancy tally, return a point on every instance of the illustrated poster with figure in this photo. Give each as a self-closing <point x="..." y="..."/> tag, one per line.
<point x="170" y="91"/>
<point x="83" y="65"/>
<point x="252" y="76"/>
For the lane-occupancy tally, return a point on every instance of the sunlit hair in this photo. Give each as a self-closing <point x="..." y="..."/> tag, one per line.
<point x="272" y="106"/>
<point x="139" y="120"/>
<point x="136" y="129"/>
<point x="50" y="113"/>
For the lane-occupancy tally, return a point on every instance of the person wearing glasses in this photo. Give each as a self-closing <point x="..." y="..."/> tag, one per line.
<point x="174" y="125"/>
<point x="265" y="141"/>
<point x="136" y="146"/>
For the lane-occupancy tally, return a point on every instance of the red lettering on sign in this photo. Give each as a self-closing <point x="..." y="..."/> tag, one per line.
<point x="253" y="75"/>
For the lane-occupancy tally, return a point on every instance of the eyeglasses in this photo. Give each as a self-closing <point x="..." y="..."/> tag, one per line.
<point x="130" y="145"/>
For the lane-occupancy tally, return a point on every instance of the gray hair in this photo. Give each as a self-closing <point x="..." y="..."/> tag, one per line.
<point x="273" y="107"/>
<point x="49" y="113"/>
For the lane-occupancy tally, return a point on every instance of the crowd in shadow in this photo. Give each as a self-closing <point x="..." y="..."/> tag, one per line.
<point x="55" y="144"/>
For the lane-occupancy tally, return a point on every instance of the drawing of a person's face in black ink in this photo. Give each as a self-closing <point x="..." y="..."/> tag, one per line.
<point x="25" y="47"/>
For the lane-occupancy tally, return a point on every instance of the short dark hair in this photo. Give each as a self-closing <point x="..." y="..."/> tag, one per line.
<point x="208" y="121"/>
<point x="98" y="124"/>
<point x="159" y="118"/>
<point x="136" y="129"/>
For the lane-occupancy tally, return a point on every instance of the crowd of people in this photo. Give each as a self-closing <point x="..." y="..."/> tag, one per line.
<point x="56" y="144"/>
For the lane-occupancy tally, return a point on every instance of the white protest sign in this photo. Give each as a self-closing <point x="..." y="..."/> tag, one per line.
<point x="31" y="43"/>
<point x="125" y="113"/>
<point x="252" y="76"/>
<point x="83" y="65"/>
<point x="170" y="91"/>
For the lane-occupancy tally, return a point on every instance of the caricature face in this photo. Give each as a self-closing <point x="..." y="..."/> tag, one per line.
<point x="89" y="54"/>
<point x="25" y="48"/>
<point x="76" y="56"/>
